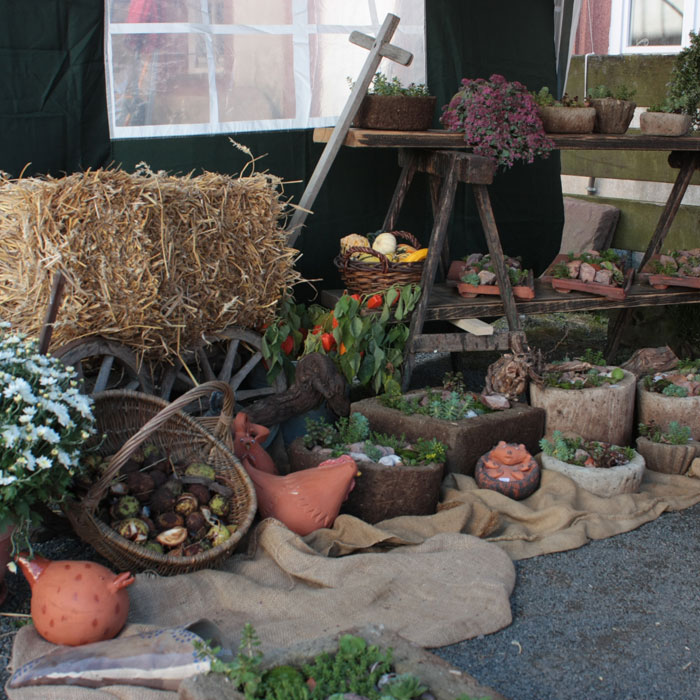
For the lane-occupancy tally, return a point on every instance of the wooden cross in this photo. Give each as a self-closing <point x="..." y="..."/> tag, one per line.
<point x="378" y="48"/>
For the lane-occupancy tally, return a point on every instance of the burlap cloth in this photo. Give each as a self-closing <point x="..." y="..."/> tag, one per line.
<point x="435" y="580"/>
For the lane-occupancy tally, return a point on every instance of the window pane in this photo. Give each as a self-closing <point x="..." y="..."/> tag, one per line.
<point x="250" y="12"/>
<point x="656" y="22"/>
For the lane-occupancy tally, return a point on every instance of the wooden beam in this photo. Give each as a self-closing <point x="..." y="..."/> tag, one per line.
<point x="393" y="53"/>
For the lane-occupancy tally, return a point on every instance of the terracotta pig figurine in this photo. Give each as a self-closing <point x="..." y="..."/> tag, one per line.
<point x="75" y="602"/>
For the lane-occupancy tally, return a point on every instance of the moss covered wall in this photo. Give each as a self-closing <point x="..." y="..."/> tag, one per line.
<point x="648" y="76"/>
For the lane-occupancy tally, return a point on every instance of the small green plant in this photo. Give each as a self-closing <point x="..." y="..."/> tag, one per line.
<point x="383" y="85"/>
<point x="674" y="390"/>
<point x="404" y="687"/>
<point x="676" y="434"/>
<point x="683" y="90"/>
<point x="544" y="98"/>
<point x="594" y="357"/>
<point x="353" y="428"/>
<point x="589" y="453"/>
<point x="622" y="92"/>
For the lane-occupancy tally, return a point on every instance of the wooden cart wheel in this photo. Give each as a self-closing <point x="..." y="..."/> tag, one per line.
<point x="104" y="364"/>
<point x="233" y="355"/>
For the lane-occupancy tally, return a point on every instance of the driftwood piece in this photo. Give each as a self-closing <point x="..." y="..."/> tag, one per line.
<point x="317" y="378"/>
<point x="650" y="360"/>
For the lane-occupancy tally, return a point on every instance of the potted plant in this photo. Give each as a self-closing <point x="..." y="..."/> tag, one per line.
<point x="600" y="467"/>
<point x="475" y="275"/>
<point x="45" y="423"/>
<point x="396" y="477"/>
<point x="678" y="268"/>
<point x="670" y="396"/>
<point x="499" y="119"/>
<point x="679" y="111"/>
<point x="564" y="116"/>
<point x="586" y="397"/>
<point x="614" y="109"/>
<point x="392" y="106"/>
<point x="467" y="423"/>
<point x="596" y="272"/>
<point x="668" y="451"/>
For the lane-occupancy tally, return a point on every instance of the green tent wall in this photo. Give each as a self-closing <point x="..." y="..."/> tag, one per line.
<point x="53" y="112"/>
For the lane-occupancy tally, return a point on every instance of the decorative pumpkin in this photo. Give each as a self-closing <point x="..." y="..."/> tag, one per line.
<point x="509" y="469"/>
<point x="76" y="602"/>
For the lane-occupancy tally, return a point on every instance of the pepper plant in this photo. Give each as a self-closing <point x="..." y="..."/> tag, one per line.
<point x="365" y="335"/>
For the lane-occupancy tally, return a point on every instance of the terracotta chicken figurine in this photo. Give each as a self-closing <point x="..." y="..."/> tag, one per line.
<point x="248" y="438"/>
<point x="305" y="500"/>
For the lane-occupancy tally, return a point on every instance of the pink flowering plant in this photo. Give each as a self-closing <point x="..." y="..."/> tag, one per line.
<point x="499" y="119"/>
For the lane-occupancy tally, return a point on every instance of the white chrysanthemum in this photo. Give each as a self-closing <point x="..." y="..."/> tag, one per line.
<point x="48" y="434"/>
<point x="7" y="480"/>
<point x="19" y="387"/>
<point x="10" y="435"/>
<point x="43" y="462"/>
<point x="60" y="411"/>
<point x="64" y="458"/>
<point x="30" y="460"/>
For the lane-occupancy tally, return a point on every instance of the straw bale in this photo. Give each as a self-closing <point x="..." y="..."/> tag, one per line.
<point x="152" y="260"/>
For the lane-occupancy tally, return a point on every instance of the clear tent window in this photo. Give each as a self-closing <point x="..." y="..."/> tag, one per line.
<point x="188" y="67"/>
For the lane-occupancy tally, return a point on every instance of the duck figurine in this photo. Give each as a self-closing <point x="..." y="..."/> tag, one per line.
<point x="75" y="602"/>
<point x="305" y="500"/>
<point x="247" y="442"/>
<point x="509" y="469"/>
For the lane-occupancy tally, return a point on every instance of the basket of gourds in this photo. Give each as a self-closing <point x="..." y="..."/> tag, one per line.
<point x="368" y="268"/>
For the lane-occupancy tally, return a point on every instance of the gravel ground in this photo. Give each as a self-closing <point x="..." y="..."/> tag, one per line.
<point x="615" y="619"/>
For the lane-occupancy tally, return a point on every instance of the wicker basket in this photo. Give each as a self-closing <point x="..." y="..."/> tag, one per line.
<point x="130" y="418"/>
<point x="369" y="277"/>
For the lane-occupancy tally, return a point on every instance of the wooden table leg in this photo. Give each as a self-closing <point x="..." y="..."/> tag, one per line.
<point x="687" y="162"/>
<point x="408" y="159"/>
<point x="437" y="237"/>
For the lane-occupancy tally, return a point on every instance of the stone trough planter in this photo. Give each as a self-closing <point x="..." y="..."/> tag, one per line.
<point x="606" y="482"/>
<point x="445" y="681"/>
<point x="466" y="439"/>
<point x="653" y="407"/>
<point x="666" y="458"/>
<point x="604" y="413"/>
<point x="381" y="492"/>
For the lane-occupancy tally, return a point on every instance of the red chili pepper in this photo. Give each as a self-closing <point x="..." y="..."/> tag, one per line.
<point x="334" y="322"/>
<point x="356" y="297"/>
<point x="375" y="301"/>
<point x="328" y="341"/>
<point x="288" y="344"/>
<point x="316" y="330"/>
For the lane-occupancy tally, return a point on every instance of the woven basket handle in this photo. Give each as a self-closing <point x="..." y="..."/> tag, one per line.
<point x="409" y="237"/>
<point x="96" y="491"/>
<point x="359" y="249"/>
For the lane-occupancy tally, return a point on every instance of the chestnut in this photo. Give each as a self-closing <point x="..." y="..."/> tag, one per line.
<point x="173" y="537"/>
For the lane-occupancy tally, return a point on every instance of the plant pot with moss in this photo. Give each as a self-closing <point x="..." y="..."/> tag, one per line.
<point x="396" y="477"/>
<point x="671" y="396"/>
<point x="390" y="106"/>
<point x="567" y="115"/>
<point x="671" y="451"/>
<point x="462" y="420"/>
<point x="586" y="398"/>
<point x="601" y="468"/>
<point x="659" y="123"/>
<point x="614" y="109"/>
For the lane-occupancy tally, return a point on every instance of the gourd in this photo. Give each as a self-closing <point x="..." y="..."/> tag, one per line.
<point x="385" y="243"/>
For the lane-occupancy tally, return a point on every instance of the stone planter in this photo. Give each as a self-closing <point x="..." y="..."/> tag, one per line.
<point x="395" y="113"/>
<point x="665" y="458"/>
<point x="664" y="123"/>
<point x="604" y="413"/>
<point x="612" y="116"/>
<point x="567" y="120"/>
<point x="466" y="439"/>
<point x="625" y="478"/>
<point x="661" y="410"/>
<point x="444" y="680"/>
<point x="380" y="492"/>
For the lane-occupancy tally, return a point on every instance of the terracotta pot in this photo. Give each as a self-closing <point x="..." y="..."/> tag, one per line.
<point x="395" y="113"/>
<point x="76" y="602"/>
<point x="508" y="469"/>
<point x="381" y="492"/>
<point x="567" y="120"/>
<point x="625" y="478"/>
<point x="5" y="551"/>
<point x="604" y="413"/>
<point x="664" y="123"/>
<point x="661" y="410"/>
<point x="612" y="116"/>
<point x="665" y="458"/>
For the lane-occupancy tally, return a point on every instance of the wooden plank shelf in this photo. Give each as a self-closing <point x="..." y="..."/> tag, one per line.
<point x="438" y="139"/>
<point x="444" y="304"/>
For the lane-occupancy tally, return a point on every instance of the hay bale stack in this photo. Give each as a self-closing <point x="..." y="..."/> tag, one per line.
<point x="151" y="260"/>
